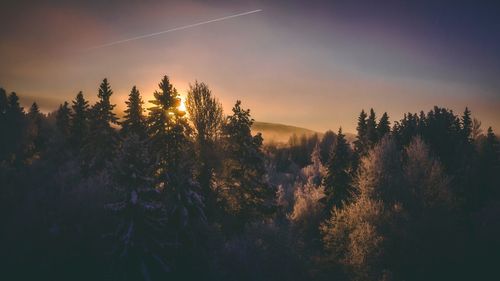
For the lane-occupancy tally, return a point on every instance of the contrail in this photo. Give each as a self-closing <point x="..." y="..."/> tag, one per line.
<point x="173" y="29"/>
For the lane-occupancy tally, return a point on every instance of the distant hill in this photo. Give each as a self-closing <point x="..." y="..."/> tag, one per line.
<point x="280" y="133"/>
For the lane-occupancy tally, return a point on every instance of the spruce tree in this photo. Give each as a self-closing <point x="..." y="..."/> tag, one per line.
<point x="34" y="136"/>
<point x="102" y="138"/>
<point x="360" y="143"/>
<point x="79" y="122"/>
<point x="63" y="119"/>
<point x="371" y="129"/>
<point x="14" y="130"/>
<point x="246" y="193"/>
<point x="467" y="125"/>
<point x="383" y="126"/>
<point x="169" y="144"/>
<point x="134" y="122"/>
<point x="140" y="239"/>
<point x="338" y="176"/>
<point x="3" y="124"/>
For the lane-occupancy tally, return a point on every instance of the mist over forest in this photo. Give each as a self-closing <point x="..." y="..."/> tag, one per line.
<point x="165" y="193"/>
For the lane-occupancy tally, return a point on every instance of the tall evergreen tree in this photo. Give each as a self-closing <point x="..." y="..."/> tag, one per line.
<point x="371" y="129"/>
<point x="338" y="176"/>
<point x="245" y="191"/>
<point x="361" y="141"/>
<point x="34" y="136"/>
<point x="79" y="122"/>
<point x="15" y="129"/>
<point x="168" y="135"/>
<point x="467" y="125"/>
<point x="3" y="123"/>
<point x="141" y="235"/>
<point x="63" y="119"/>
<point x="383" y="126"/>
<point x="102" y="138"/>
<point x="135" y="122"/>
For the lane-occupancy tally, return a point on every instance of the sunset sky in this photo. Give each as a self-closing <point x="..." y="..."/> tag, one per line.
<point x="313" y="64"/>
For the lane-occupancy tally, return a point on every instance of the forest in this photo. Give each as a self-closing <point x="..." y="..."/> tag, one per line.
<point x="167" y="194"/>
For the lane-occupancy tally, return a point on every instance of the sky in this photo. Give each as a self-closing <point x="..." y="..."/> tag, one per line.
<point x="313" y="64"/>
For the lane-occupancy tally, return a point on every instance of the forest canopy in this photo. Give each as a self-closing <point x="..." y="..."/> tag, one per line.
<point x="164" y="194"/>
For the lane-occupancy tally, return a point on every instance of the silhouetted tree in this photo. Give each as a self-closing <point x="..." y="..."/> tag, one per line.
<point x="79" y="122"/>
<point x="102" y="138"/>
<point x="134" y="121"/>
<point x="15" y="130"/>
<point x="169" y="143"/>
<point x="63" y="119"/>
<point x="467" y="125"/>
<point x="34" y="137"/>
<point x="383" y="126"/>
<point x="338" y="176"/>
<point x="360" y="144"/>
<point x="205" y="113"/>
<point x="371" y="129"/>
<point x="244" y="189"/>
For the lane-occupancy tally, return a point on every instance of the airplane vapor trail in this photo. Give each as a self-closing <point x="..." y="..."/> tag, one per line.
<point x="173" y="29"/>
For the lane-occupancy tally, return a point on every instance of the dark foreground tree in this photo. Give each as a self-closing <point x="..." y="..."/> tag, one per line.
<point x="102" y="138"/>
<point x="337" y="182"/>
<point x="244" y="189"/>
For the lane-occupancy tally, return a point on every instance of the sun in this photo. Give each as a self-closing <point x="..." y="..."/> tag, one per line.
<point x="182" y="106"/>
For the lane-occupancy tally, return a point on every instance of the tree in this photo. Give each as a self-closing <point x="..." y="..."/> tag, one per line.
<point x="34" y="135"/>
<point x="140" y="239"/>
<point x="338" y="176"/>
<point x="243" y="188"/>
<point x="3" y="123"/>
<point x="173" y="177"/>
<point x="15" y="121"/>
<point x="383" y="126"/>
<point x="371" y="129"/>
<point x="361" y="141"/>
<point x="205" y="113"/>
<point x="63" y="119"/>
<point x="467" y="125"/>
<point x="102" y="138"/>
<point x="326" y="145"/>
<point x="79" y="122"/>
<point x="134" y="122"/>
<point x="361" y="234"/>
<point x="425" y="177"/>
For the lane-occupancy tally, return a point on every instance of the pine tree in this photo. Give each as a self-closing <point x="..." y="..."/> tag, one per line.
<point x="338" y="176"/>
<point x="168" y="141"/>
<point x="3" y="124"/>
<point x="34" y="136"/>
<point x="244" y="189"/>
<point x="383" y="126"/>
<point x="205" y="113"/>
<point x="79" y="122"/>
<point x="15" y="120"/>
<point x="134" y="122"/>
<point x="63" y="119"/>
<point x="467" y="125"/>
<point x="361" y="141"/>
<point x="102" y="138"/>
<point x="140" y="238"/>
<point x="371" y="129"/>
